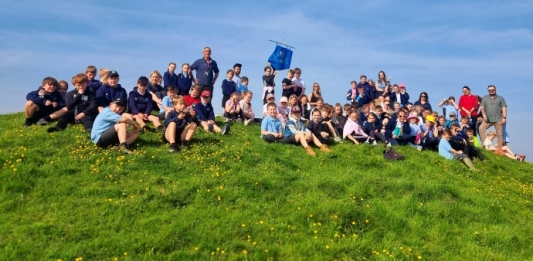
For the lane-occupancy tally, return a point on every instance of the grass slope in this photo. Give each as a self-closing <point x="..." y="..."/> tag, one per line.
<point x="237" y="198"/>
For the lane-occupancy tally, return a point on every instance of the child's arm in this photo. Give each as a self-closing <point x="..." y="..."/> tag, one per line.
<point x="38" y="99"/>
<point x="229" y="106"/>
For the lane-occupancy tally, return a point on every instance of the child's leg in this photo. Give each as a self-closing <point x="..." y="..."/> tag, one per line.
<point x="131" y="137"/>
<point x="477" y="153"/>
<point x="87" y="122"/>
<point x="188" y="132"/>
<point x="300" y="137"/>
<point x="269" y="138"/>
<point x="170" y="133"/>
<point x="155" y="120"/>
<point x="122" y="132"/>
<point x="56" y="114"/>
<point x="316" y="141"/>
<point x="64" y="120"/>
<point x="216" y="128"/>
<point x="30" y="108"/>
<point x="139" y="120"/>
<point x="331" y="129"/>
<point x="205" y="125"/>
<point x="381" y="137"/>
<point x="508" y="150"/>
<point x="353" y="139"/>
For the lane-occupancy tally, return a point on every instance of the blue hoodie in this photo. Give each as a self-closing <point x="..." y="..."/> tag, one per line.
<point x="41" y="99"/>
<point x="106" y="94"/>
<point x="140" y="103"/>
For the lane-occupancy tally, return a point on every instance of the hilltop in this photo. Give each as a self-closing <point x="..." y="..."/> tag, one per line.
<point x="236" y="198"/>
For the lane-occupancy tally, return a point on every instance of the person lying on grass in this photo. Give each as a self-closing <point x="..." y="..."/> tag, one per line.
<point x="504" y="151"/>
<point x="297" y="133"/>
<point x="110" y="128"/>
<point x="446" y="150"/>
<point x="180" y="126"/>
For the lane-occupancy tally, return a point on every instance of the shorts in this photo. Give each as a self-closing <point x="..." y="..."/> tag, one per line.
<point x="43" y="112"/>
<point x="162" y="116"/>
<point x="288" y="140"/>
<point x="108" y="138"/>
<point x="177" y="136"/>
<point x="224" y="100"/>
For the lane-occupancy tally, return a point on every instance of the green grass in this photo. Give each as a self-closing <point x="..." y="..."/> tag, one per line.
<point x="237" y="198"/>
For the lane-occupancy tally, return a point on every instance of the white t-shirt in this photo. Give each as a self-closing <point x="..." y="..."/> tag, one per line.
<point x="488" y="143"/>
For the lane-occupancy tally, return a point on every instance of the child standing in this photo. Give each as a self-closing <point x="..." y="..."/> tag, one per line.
<point x="45" y="104"/>
<point x="228" y="87"/>
<point x="268" y="80"/>
<point x="446" y="150"/>
<point x="111" y="128"/>
<point x="140" y="106"/>
<point x="206" y="115"/>
<point x="287" y="85"/>
<point x="243" y="88"/>
<point x="352" y="93"/>
<point x="185" y="80"/>
<point x="271" y="126"/>
<point x="169" y="77"/>
<point x="80" y="107"/>
<point x="180" y="126"/>
<point x="299" y="87"/>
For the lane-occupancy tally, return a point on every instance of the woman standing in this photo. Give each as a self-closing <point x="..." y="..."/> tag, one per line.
<point x="468" y="106"/>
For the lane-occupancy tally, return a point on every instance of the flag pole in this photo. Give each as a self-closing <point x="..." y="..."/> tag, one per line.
<point x="283" y="44"/>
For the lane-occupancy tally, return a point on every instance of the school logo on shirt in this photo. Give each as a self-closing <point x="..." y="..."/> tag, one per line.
<point x="84" y="98"/>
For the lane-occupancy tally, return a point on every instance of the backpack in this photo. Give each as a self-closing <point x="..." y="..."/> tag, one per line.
<point x="391" y="154"/>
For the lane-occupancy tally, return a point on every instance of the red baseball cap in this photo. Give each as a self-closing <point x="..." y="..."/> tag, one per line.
<point x="206" y="93"/>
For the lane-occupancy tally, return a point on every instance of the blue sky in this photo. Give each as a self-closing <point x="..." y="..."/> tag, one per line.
<point x="436" y="46"/>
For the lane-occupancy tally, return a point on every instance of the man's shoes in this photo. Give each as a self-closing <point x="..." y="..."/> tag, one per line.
<point x="53" y="129"/>
<point x="225" y="129"/>
<point x="42" y="121"/>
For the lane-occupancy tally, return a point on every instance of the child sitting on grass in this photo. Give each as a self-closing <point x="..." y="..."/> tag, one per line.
<point x="271" y="125"/>
<point x="141" y="104"/>
<point x="373" y="130"/>
<point x="295" y="132"/>
<point x="206" y="115"/>
<point x="232" y="110"/>
<point x="110" y="91"/>
<point x="45" y="104"/>
<point x="110" y="128"/>
<point x="504" y="151"/>
<point x="327" y="123"/>
<point x="352" y="129"/>
<point x="166" y="102"/>
<point x="446" y="150"/>
<point x="180" y="126"/>
<point x="246" y="107"/>
<point x="80" y="107"/>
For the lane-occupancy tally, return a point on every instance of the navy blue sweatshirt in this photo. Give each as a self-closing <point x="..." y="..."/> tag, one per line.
<point x="172" y="116"/>
<point x="170" y="79"/>
<point x="204" y="112"/>
<point x="85" y="102"/>
<point x="184" y="84"/>
<point x="140" y="103"/>
<point x="106" y="94"/>
<point x="391" y="125"/>
<point x="41" y="99"/>
<point x="369" y="89"/>
<point x="94" y="85"/>
<point x="228" y="87"/>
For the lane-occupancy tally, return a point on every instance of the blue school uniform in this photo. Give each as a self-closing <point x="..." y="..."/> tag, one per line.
<point x="104" y="121"/>
<point x="170" y="79"/>
<point x="184" y="83"/>
<point x="106" y="94"/>
<point x="271" y="125"/>
<point x="204" y="112"/>
<point x="140" y="103"/>
<point x="41" y="99"/>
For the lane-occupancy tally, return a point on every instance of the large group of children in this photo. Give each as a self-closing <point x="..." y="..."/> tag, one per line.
<point x="375" y="112"/>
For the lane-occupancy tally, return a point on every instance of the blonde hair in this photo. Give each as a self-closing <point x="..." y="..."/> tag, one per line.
<point x="178" y="100"/>
<point x="491" y="133"/>
<point x="156" y="72"/>
<point x="103" y="74"/>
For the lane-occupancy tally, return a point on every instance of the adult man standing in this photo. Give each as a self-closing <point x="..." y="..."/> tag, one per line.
<point x="206" y="71"/>
<point x="237" y="74"/>
<point x="494" y="111"/>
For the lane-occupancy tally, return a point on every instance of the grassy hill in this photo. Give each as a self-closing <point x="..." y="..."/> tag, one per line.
<point x="237" y="198"/>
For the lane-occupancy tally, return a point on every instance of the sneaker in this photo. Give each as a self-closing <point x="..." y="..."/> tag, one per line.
<point x="226" y="120"/>
<point x="238" y="120"/>
<point x="148" y="128"/>
<point x="225" y="129"/>
<point x="337" y="139"/>
<point x="42" y="121"/>
<point x="27" y="124"/>
<point x="374" y="143"/>
<point x="247" y="121"/>
<point x="310" y="151"/>
<point x="184" y="145"/>
<point x="53" y="129"/>
<point x="366" y="142"/>
<point x="124" y="148"/>
<point x="173" y="148"/>
<point x="161" y="128"/>
<point x="522" y="157"/>
<point x="388" y="144"/>
<point x="325" y="148"/>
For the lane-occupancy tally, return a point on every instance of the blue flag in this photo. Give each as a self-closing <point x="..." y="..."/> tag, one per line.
<point x="280" y="58"/>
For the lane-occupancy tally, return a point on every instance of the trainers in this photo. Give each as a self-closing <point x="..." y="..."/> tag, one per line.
<point x="374" y="143"/>
<point x="42" y="121"/>
<point x="388" y="144"/>
<point x="367" y="142"/>
<point x="226" y="119"/>
<point x="247" y="121"/>
<point x="184" y="145"/>
<point x="337" y="139"/>
<point x="53" y="129"/>
<point x="124" y="148"/>
<point x="521" y="157"/>
<point x="173" y="148"/>
<point x="161" y="128"/>
<point x="310" y="151"/>
<point x="225" y="129"/>
<point x="238" y="120"/>
<point x="325" y="148"/>
<point x="148" y="128"/>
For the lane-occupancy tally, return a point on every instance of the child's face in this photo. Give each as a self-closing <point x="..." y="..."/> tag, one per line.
<point x="116" y="108"/>
<point x="320" y="104"/>
<point x="366" y="110"/>
<point x="112" y="81"/>
<point x="90" y="75"/>
<point x="491" y="137"/>
<point x="153" y="78"/>
<point x="268" y="72"/>
<point x="372" y="106"/>
<point x="296" y="115"/>
<point x="283" y="104"/>
<point x="272" y="111"/>
<point x="63" y="88"/>
<point x="304" y="100"/>
<point x="293" y="101"/>
<point x="205" y="100"/>
<point x="171" y="68"/>
<point x="194" y="93"/>
<point x="442" y="122"/>
<point x="363" y="80"/>
<point x="179" y="107"/>
<point x="234" y="98"/>
<point x="338" y="111"/>
<point x="354" y="86"/>
<point x="452" y="117"/>
<point x="49" y="87"/>
<point x="395" y="89"/>
<point x="353" y="117"/>
<point x="435" y="114"/>
<point x="470" y="135"/>
<point x="171" y="94"/>
<point x="396" y="107"/>
<point x="316" y="116"/>
<point x="446" y="136"/>
<point x="371" y="119"/>
<point x="245" y="83"/>
<point x="297" y="75"/>
<point x="247" y="98"/>
<point x="413" y="121"/>
<point x="361" y="90"/>
<point x="464" y="121"/>
<point x="229" y="75"/>
<point x="290" y="75"/>
<point x="325" y="114"/>
<point x="271" y="100"/>
<point x="185" y="68"/>
<point x="80" y="86"/>
<point x="141" y="88"/>
<point x="409" y="106"/>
